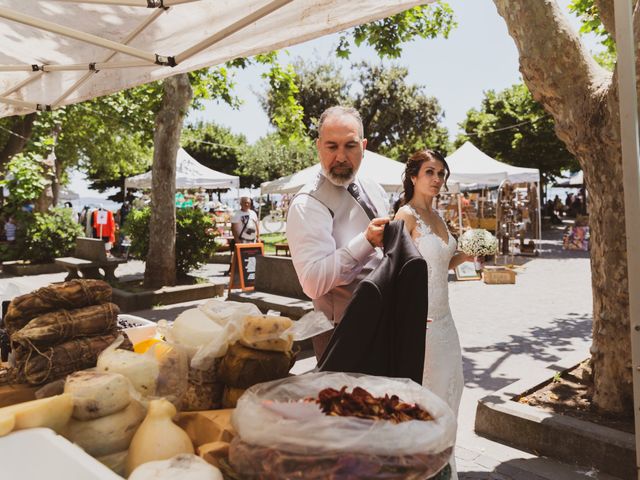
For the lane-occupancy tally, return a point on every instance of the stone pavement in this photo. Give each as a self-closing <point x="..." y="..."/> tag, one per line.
<point x="507" y="332"/>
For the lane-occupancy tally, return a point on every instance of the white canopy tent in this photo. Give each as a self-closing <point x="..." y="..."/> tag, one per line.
<point x="54" y="53"/>
<point x="385" y="171"/>
<point x="470" y="166"/>
<point x="189" y="174"/>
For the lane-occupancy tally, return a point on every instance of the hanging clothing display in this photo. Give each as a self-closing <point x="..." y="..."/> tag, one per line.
<point x="104" y="224"/>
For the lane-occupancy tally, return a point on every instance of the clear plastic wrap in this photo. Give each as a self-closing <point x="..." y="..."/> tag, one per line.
<point x="316" y="446"/>
<point x="230" y="316"/>
<point x="161" y="371"/>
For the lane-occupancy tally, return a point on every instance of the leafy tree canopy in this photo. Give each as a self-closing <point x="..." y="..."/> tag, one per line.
<point x="398" y="117"/>
<point x="587" y="12"/>
<point x="269" y="158"/>
<point x="513" y="128"/>
<point x="215" y="147"/>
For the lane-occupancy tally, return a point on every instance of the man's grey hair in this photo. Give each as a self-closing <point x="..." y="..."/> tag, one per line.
<point x="339" y="111"/>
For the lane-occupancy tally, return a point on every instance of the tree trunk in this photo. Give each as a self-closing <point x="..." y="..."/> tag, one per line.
<point x="22" y="129"/>
<point x="46" y="199"/>
<point x="160" y="268"/>
<point x="583" y="101"/>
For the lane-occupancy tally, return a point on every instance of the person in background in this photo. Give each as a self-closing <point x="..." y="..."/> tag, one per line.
<point x="10" y="230"/>
<point x="244" y="223"/>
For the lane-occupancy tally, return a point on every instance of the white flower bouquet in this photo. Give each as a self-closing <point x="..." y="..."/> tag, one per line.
<point x="478" y="242"/>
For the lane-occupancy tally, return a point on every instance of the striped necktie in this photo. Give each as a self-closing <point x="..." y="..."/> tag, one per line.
<point x="355" y="193"/>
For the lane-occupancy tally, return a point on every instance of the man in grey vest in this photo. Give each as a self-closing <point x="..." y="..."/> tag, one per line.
<point x="336" y="222"/>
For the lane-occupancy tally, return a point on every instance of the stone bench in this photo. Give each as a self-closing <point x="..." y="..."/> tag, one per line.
<point x="90" y="257"/>
<point x="276" y="288"/>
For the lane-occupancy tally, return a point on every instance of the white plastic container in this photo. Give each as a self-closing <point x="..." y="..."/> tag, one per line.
<point x="141" y="329"/>
<point x="39" y="453"/>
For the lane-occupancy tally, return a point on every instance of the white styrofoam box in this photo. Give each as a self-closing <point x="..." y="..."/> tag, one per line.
<point x="40" y="453"/>
<point x="140" y="329"/>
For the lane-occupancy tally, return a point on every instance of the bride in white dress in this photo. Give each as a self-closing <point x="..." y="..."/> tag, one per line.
<point x="425" y="174"/>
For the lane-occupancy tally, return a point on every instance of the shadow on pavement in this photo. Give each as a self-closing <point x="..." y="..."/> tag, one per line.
<point x="535" y="344"/>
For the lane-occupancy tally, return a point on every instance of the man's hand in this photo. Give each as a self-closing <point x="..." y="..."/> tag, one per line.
<point x="375" y="231"/>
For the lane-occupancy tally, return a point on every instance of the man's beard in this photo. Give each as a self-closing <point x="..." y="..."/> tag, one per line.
<point x="341" y="179"/>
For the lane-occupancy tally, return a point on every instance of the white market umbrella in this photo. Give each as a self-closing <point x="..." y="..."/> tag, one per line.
<point x="385" y="171"/>
<point x="54" y="53"/>
<point x="470" y="165"/>
<point x="189" y="174"/>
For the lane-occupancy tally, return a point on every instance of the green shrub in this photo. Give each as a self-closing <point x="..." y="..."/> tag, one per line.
<point x="41" y="237"/>
<point x="195" y="239"/>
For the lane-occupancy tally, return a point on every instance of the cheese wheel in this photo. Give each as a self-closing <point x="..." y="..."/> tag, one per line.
<point x="183" y="467"/>
<point x="97" y="394"/>
<point x="51" y="412"/>
<point x="107" y="435"/>
<point x="257" y="328"/>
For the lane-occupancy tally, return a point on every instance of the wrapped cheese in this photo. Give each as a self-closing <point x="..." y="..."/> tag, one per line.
<point x="183" y="467"/>
<point x="158" y="438"/>
<point x="107" y="435"/>
<point x="116" y="462"/>
<point x="267" y="332"/>
<point x="97" y="394"/>
<point x="243" y="367"/>
<point x="193" y="328"/>
<point x="52" y="412"/>
<point x="141" y="370"/>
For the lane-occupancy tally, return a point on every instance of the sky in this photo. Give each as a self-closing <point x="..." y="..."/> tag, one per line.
<point x="479" y="55"/>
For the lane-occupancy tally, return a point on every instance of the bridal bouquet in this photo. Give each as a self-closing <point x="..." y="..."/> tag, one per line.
<point x="478" y="242"/>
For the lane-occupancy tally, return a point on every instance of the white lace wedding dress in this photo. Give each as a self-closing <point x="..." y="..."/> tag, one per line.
<point x="443" y="355"/>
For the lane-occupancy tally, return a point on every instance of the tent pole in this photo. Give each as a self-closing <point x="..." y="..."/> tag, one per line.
<point x="76" y="34"/>
<point x="459" y="212"/>
<point x="21" y="84"/>
<point x="136" y="3"/>
<point x="234" y="27"/>
<point x="628" y="103"/>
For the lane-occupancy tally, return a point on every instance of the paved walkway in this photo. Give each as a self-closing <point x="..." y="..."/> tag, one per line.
<point x="507" y="332"/>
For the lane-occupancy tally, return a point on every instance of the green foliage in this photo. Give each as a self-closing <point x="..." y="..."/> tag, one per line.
<point x="398" y="117"/>
<point x="587" y="12"/>
<point x="270" y="158"/>
<point x="216" y="147"/>
<point x="41" y="237"/>
<point x="195" y="237"/>
<point x="387" y="35"/>
<point x="24" y="179"/>
<point x="513" y="128"/>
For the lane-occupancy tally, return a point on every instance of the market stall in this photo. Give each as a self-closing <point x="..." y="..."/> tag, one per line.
<point x="495" y="196"/>
<point x="113" y="385"/>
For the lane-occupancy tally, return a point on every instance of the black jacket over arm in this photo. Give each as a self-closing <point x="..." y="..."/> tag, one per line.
<point x="384" y="326"/>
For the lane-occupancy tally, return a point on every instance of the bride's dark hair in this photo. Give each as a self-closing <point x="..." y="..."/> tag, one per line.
<point x="413" y="167"/>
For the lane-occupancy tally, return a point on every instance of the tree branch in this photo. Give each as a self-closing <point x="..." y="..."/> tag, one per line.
<point x="557" y="69"/>
<point x="607" y="16"/>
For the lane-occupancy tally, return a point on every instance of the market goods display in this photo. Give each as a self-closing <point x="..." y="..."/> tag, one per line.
<point x="67" y="295"/>
<point x="37" y="366"/>
<point x="55" y="327"/>
<point x="283" y="434"/>
<point x="97" y="394"/>
<point x="478" y="242"/>
<point x="59" y="329"/>
<point x="183" y="467"/>
<point x="108" y="434"/>
<point x="243" y="367"/>
<point x="362" y="404"/>
<point x="52" y="412"/>
<point x="158" y="438"/>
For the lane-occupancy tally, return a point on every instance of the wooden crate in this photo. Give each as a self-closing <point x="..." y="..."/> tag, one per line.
<point x="498" y="275"/>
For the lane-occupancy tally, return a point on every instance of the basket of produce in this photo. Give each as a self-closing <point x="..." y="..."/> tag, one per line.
<point x="341" y="426"/>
